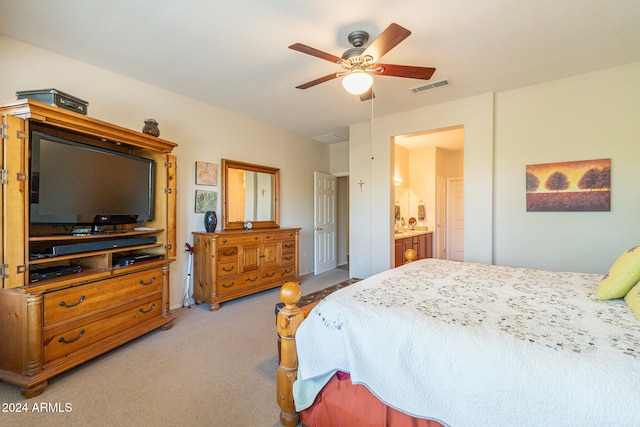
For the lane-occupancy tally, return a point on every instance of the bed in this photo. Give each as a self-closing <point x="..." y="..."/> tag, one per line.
<point x="446" y="343"/>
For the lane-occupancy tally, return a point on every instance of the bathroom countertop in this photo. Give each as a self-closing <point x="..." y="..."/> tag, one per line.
<point x="410" y="233"/>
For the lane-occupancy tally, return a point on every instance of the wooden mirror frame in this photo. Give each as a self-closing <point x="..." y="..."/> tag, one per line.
<point x="239" y="225"/>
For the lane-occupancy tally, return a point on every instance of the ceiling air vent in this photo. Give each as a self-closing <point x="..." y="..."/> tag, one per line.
<point x="328" y="138"/>
<point x="431" y="86"/>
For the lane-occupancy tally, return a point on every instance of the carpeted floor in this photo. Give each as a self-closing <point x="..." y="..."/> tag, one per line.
<point x="211" y="369"/>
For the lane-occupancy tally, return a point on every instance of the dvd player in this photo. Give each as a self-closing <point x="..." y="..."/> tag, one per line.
<point x="51" y="272"/>
<point x="122" y="260"/>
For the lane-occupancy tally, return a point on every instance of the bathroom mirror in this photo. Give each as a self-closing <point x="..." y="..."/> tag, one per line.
<point x="250" y="193"/>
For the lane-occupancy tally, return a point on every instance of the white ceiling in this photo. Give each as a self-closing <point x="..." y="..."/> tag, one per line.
<point x="233" y="54"/>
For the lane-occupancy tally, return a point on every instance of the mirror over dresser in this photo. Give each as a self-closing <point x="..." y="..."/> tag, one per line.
<point x="250" y="193"/>
<point x="252" y="253"/>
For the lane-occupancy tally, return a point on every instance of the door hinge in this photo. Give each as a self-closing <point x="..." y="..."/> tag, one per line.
<point x="167" y="190"/>
<point x="3" y="271"/>
<point x="19" y="176"/>
<point x="20" y="134"/>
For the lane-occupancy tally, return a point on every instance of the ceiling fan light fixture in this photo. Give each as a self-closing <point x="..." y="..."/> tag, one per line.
<point x="357" y="82"/>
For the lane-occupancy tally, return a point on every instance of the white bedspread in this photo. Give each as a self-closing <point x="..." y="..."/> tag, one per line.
<point x="479" y="345"/>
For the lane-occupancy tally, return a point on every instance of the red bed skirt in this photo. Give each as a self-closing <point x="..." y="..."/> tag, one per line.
<point x="343" y="404"/>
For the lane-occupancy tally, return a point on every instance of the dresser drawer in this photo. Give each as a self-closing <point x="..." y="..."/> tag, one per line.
<point x="61" y="341"/>
<point x="227" y="253"/>
<point x="288" y="259"/>
<point x="227" y="268"/>
<point x="288" y="246"/>
<point x="238" y="240"/>
<point x="279" y="235"/>
<point x="83" y="300"/>
<point x="224" y="286"/>
<point x="278" y="274"/>
<point x="271" y="275"/>
<point x="288" y="272"/>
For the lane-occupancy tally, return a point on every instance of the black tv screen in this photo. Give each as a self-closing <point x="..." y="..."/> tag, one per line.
<point x="78" y="184"/>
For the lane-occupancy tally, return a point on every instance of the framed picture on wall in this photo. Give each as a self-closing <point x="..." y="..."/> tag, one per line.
<point x="206" y="173"/>
<point x="569" y="186"/>
<point x="206" y="201"/>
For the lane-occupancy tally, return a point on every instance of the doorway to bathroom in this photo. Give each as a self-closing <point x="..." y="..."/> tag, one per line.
<point x="429" y="187"/>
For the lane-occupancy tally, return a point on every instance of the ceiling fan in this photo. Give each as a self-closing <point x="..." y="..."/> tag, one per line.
<point x="359" y="62"/>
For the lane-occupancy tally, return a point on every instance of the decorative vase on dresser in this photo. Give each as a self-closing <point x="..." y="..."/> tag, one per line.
<point x="210" y="221"/>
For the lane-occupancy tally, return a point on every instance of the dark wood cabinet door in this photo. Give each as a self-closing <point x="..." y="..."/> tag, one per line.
<point x="399" y="252"/>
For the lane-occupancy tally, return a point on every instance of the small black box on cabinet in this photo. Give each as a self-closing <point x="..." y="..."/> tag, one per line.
<point x="57" y="98"/>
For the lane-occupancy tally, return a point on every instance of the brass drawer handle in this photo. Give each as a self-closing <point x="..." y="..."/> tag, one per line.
<point x="143" y="311"/>
<point x="287" y="272"/>
<point x="288" y="258"/>
<point x="288" y="246"/>
<point x="252" y="280"/>
<point x="143" y="283"/>
<point x="270" y="275"/>
<point x="62" y="340"/>
<point x="229" y="285"/>
<point x="230" y="269"/>
<point x="64" y="304"/>
<point x="233" y="252"/>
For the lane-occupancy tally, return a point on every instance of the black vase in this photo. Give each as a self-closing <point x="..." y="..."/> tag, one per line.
<point x="210" y="221"/>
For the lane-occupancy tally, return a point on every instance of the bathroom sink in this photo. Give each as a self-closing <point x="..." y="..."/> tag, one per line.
<point x="410" y="233"/>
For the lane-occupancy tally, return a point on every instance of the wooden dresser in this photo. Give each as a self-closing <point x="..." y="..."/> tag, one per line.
<point x="232" y="264"/>
<point x="53" y="323"/>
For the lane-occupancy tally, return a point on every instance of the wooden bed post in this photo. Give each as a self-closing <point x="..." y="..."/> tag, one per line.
<point x="287" y="322"/>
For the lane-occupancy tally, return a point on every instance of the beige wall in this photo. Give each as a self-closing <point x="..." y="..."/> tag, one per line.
<point x="423" y="166"/>
<point x="585" y="117"/>
<point x="401" y="195"/>
<point x="203" y="132"/>
<point x="339" y="153"/>
<point x="371" y="160"/>
<point x="591" y="116"/>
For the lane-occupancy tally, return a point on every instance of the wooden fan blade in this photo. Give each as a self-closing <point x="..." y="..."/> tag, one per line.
<point x="318" y="81"/>
<point x="423" y="73"/>
<point x="386" y="41"/>
<point x="367" y="95"/>
<point x="315" y="52"/>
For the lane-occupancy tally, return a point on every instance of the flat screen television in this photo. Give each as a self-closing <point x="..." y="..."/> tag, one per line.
<point x="73" y="183"/>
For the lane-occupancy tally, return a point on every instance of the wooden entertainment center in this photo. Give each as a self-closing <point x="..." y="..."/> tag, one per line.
<point x="49" y="326"/>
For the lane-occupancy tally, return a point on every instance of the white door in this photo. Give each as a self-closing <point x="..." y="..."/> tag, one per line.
<point x="324" y="234"/>
<point x="440" y="232"/>
<point x="455" y="219"/>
